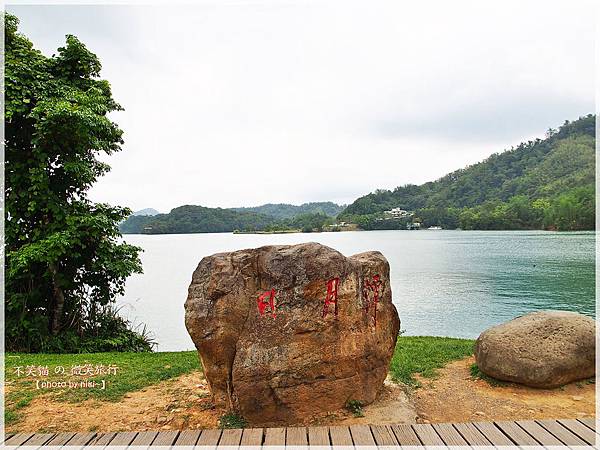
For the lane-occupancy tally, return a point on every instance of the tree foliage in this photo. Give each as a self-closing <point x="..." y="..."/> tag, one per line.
<point x="196" y="219"/>
<point x="286" y="211"/>
<point x="65" y="263"/>
<point x="307" y="223"/>
<point x="522" y="188"/>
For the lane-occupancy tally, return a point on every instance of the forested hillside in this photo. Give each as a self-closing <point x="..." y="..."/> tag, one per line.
<point x="196" y="219"/>
<point x="546" y="183"/>
<point x="286" y="211"/>
<point x="199" y="219"/>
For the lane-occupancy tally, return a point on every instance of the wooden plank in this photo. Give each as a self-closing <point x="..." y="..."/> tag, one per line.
<point x="188" y="437"/>
<point x="524" y="432"/>
<point x="165" y="438"/>
<point x="427" y="434"/>
<point x="81" y="439"/>
<point x="471" y="434"/>
<point x="340" y="435"/>
<point x="252" y="437"/>
<point x="39" y="439"/>
<point x="123" y="438"/>
<point x="361" y="435"/>
<point x="18" y="439"/>
<point x="102" y="439"/>
<point x="516" y="433"/>
<point x="60" y="439"/>
<point x="448" y="434"/>
<point x="144" y="438"/>
<point x="588" y="422"/>
<point x="539" y="434"/>
<point x="8" y="436"/>
<point x="209" y="437"/>
<point x="405" y="435"/>
<point x="564" y="435"/>
<point x="231" y="437"/>
<point x="318" y="436"/>
<point x="383" y="435"/>
<point x="492" y="433"/>
<point x="579" y="429"/>
<point x="296" y="436"/>
<point x="274" y="436"/>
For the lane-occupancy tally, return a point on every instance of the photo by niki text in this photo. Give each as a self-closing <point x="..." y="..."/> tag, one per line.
<point x="63" y="377"/>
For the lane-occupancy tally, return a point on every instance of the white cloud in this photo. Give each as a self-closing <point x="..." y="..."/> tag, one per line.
<point x="253" y="102"/>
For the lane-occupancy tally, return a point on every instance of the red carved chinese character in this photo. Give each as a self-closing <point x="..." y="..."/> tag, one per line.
<point x="372" y="286"/>
<point x="332" y="296"/>
<point x="262" y="303"/>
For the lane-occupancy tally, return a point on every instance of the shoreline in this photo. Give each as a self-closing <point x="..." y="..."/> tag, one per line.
<point x="358" y="230"/>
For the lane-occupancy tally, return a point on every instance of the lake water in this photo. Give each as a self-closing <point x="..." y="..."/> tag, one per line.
<point x="444" y="283"/>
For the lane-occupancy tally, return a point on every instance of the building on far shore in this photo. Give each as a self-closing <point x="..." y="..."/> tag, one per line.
<point x="398" y="212"/>
<point x="338" y="226"/>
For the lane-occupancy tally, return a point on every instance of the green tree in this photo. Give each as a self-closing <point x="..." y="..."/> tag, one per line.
<point x="573" y="210"/>
<point x="468" y="219"/>
<point x="65" y="262"/>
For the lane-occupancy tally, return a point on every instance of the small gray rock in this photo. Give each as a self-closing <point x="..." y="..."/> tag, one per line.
<point x="542" y="349"/>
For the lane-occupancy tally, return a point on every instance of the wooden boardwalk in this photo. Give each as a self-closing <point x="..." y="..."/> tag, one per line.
<point x="562" y="432"/>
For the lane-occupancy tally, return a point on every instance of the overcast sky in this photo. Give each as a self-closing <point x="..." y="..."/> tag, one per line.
<point x="250" y="102"/>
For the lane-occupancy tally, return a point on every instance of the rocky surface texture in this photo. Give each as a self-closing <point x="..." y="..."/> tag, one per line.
<point x="286" y="332"/>
<point x="541" y="349"/>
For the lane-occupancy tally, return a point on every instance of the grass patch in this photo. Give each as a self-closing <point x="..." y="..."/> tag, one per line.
<point x="11" y="416"/>
<point x="424" y="355"/>
<point x="134" y="371"/>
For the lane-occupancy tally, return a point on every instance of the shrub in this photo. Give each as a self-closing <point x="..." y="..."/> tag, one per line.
<point x="355" y="407"/>
<point x="232" y="420"/>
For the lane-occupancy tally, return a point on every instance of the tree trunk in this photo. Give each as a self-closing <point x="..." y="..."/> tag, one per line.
<point x="59" y="301"/>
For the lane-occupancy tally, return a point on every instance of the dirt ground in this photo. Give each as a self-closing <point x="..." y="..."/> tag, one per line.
<point x="393" y="405"/>
<point x="184" y="403"/>
<point x="455" y="397"/>
<point x="178" y="403"/>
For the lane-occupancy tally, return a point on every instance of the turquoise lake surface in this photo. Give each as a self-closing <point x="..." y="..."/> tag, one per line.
<point x="444" y="283"/>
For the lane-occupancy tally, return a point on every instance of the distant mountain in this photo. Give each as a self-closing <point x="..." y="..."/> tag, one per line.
<point x="542" y="184"/>
<point x="287" y="211"/>
<point x="546" y="183"/>
<point x="146" y="212"/>
<point x="196" y="219"/>
<point x="199" y="219"/>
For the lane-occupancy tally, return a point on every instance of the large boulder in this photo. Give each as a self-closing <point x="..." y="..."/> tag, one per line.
<point x="284" y="332"/>
<point x="542" y="349"/>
